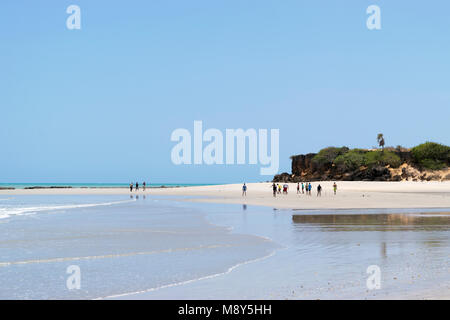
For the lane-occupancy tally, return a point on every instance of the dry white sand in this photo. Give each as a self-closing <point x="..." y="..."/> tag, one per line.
<point x="350" y="194"/>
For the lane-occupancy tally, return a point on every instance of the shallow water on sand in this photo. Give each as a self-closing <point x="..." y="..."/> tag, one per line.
<point x="119" y="245"/>
<point x="326" y="254"/>
<point x="156" y="248"/>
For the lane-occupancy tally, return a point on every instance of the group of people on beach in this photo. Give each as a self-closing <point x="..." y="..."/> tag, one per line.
<point x="305" y="187"/>
<point x="136" y="188"/>
<point x="277" y="189"/>
<point x="308" y="187"/>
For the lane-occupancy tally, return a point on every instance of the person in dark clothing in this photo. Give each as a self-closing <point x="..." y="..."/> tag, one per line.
<point x="244" y="190"/>
<point x="319" y="190"/>
<point x="274" y="188"/>
<point x="137" y="186"/>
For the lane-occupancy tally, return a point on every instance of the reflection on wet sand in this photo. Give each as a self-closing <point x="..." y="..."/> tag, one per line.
<point x="378" y="222"/>
<point x="411" y="248"/>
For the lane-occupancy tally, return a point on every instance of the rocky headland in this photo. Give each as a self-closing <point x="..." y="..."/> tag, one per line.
<point x="426" y="162"/>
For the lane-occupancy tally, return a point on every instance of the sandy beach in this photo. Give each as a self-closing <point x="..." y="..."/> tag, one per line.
<point x="350" y="194"/>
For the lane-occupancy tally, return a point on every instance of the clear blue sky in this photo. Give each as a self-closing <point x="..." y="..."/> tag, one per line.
<point x="99" y="104"/>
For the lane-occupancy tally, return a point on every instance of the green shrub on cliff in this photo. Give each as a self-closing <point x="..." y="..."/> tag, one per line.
<point x="356" y="158"/>
<point x="351" y="160"/>
<point x="373" y="158"/>
<point x="327" y="155"/>
<point x="431" y="155"/>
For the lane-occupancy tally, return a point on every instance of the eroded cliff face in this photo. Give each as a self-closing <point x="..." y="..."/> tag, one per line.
<point x="302" y="164"/>
<point x="305" y="169"/>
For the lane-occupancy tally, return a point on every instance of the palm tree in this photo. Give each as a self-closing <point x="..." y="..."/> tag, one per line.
<point x="380" y="140"/>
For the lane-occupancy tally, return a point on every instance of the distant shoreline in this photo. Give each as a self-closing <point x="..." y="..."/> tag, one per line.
<point x="33" y="186"/>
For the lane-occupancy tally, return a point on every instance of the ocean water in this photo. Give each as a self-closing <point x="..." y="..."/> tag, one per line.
<point x="120" y="245"/>
<point x="11" y="206"/>
<point x="97" y="185"/>
<point x="158" y="248"/>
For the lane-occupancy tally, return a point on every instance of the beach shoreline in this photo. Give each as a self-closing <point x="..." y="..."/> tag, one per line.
<point x="350" y="194"/>
<point x="311" y="238"/>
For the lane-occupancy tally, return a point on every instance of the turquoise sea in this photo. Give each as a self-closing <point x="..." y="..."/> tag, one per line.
<point x="98" y="185"/>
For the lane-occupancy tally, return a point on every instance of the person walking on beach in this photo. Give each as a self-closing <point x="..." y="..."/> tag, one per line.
<point x="143" y="186"/>
<point x="303" y="188"/>
<point x="298" y="187"/>
<point x="319" y="190"/>
<point x="309" y="188"/>
<point x="131" y="187"/>
<point x="279" y="189"/>
<point x="334" y="188"/>
<point x="274" y="189"/>
<point x="244" y="190"/>
<point x="285" y="188"/>
<point x="137" y="186"/>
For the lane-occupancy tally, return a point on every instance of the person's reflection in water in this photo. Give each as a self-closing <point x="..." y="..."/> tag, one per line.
<point x="244" y="214"/>
<point x="137" y="197"/>
<point x="383" y="250"/>
<point x="131" y="196"/>
<point x="144" y="196"/>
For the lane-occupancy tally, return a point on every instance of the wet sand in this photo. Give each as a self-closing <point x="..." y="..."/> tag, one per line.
<point x="325" y="255"/>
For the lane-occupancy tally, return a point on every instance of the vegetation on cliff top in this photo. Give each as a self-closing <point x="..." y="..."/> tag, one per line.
<point x="356" y="158"/>
<point x="431" y="155"/>
<point x="376" y="164"/>
<point x="428" y="155"/>
<point x="326" y="156"/>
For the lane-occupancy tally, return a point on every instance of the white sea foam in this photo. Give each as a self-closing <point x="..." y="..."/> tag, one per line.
<point x="6" y="212"/>
<point x="230" y="269"/>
